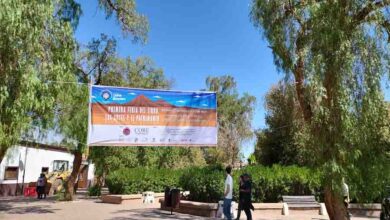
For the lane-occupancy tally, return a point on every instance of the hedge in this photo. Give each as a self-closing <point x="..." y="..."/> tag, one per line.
<point x="206" y="184"/>
<point x="138" y="180"/>
<point x="269" y="183"/>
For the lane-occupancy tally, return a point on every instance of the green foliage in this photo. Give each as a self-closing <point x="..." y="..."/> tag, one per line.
<point x="138" y="180"/>
<point x="205" y="184"/>
<point x="131" y="22"/>
<point x="235" y="114"/>
<point x="252" y="159"/>
<point x="36" y="49"/>
<point x="280" y="142"/>
<point x="269" y="183"/>
<point x="94" y="191"/>
<point x="108" y="159"/>
<point x="337" y="52"/>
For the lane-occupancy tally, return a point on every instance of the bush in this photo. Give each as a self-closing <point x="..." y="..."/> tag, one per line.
<point x="138" y="180"/>
<point x="205" y="184"/>
<point x="268" y="183"/>
<point x="94" y="191"/>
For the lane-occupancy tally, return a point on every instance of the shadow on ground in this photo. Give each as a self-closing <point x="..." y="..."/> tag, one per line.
<point x="137" y="214"/>
<point x="20" y="199"/>
<point x="12" y="205"/>
<point x="38" y="209"/>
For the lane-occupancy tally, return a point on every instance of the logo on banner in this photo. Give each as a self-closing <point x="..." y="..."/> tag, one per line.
<point x="126" y="131"/>
<point x="106" y="95"/>
<point x="142" y="131"/>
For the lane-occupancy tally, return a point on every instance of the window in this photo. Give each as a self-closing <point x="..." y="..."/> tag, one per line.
<point x="11" y="173"/>
<point x="45" y="170"/>
<point x="60" y="165"/>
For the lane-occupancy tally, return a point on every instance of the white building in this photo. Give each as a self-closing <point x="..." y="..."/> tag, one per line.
<point x="24" y="163"/>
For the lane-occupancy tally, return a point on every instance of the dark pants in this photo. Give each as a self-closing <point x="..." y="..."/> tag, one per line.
<point x="41" y="192"/>
<point x="246" y="209"/>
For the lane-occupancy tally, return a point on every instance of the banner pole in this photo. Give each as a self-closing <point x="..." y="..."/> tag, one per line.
<point x="89" y="107"/>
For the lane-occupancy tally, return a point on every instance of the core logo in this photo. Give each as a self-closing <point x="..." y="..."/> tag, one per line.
<point x="143" y="131"/>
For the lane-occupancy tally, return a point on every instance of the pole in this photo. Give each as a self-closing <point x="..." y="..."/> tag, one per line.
<point x="89" y="107"/>
<point x="17" y="179"/>
<point x="24" y="168"/>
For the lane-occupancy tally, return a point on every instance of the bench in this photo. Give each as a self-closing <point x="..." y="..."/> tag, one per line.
<point x="302" y="203"/>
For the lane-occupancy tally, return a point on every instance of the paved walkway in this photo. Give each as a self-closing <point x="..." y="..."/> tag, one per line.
<point x="31" y="209"/>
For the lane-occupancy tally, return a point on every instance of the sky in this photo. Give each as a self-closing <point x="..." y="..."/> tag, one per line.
<point x="193" y="39"/>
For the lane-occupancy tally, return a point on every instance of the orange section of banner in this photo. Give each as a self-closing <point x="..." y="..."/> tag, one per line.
<point x="156" y="116"/>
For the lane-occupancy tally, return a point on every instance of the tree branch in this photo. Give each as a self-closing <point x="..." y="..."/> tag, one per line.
<point x="112" y="5"/>
<point x="372" y="6"/>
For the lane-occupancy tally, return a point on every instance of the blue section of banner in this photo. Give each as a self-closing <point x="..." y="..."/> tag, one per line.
<point x="122" y="96"/>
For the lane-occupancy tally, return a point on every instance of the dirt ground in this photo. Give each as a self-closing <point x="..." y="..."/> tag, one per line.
<point x="83" y="208"/>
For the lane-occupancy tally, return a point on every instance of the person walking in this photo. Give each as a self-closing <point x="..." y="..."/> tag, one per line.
<point x="240" y="196"/>
<point x="345" y="191"/>
<point x="228" y="194"/>
<point x="245" y="197"/>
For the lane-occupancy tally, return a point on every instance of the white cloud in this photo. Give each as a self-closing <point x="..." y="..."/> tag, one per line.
<point x="205" y="105"/>
<point x="197" y="96"/>
<point x="157" y="97"/>
<point x="181" y="101"/>
<point x="132" y="93"/>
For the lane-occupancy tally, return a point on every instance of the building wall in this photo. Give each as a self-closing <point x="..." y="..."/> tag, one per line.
<point x="30" y="161"/>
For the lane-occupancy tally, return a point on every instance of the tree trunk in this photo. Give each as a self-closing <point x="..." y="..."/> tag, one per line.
<point x="3" y="150"/>
<point x="334" y="205"/>
<point x="70" y="183"/>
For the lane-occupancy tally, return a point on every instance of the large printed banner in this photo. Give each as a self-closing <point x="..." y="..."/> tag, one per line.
<point x="138" y="117"/>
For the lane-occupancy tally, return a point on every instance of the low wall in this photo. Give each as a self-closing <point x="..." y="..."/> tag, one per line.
<point x="121" y="199"/>
<point x="372" y="209"/>
<point x="193" y="208"/>
<point x="210" y="209"/>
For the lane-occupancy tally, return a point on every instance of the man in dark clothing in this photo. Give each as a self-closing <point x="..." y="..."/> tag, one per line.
<point x="245" y="197"/>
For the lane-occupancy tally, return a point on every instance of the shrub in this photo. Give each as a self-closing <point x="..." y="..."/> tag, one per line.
<point x="205" y="184"/>
<point x="138" y="180"/>
<point x="268" y="183"/>
<point x="94" y="191"/>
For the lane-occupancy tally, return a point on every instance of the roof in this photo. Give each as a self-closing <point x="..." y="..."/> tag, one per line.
<point x="44" y="146"/>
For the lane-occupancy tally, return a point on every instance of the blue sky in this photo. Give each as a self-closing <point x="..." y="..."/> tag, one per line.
<point x="192" y="39"/>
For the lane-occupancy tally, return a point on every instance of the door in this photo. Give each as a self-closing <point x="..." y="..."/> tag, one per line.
<point x="83" y="177"/>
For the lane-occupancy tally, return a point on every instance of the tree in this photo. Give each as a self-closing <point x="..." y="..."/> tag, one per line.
<point x="94" y="62"/>
<point x="280" y="141"/>
<point x="234" y="119"/>
<point x="337" y="53"/>
<point x="36" y="50"/>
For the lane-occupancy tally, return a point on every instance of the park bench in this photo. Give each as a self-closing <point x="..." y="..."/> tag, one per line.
<point x="302" y="203"/>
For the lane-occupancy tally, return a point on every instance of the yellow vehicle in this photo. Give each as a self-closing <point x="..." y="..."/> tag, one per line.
<point x="55" y="181"/>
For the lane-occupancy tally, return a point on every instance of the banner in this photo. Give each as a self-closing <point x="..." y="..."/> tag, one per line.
<point x="140" y="117"/>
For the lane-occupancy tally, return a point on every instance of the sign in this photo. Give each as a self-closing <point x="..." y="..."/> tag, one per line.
<point x="140" y="117"/>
